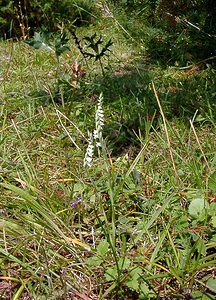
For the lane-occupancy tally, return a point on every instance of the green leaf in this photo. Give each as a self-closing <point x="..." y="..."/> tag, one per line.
<point x="201" y="247"/>
<point x="213" y="221"/>
<point x="94" y="261"/>
<point x="212" y="209"/>
<point x="182" y="222"/>
<point x="135" y="273"/>
<point x="211" y="283"/>
<point x="144" y="288"/>
<point x="196" y="207"/>
<point x="61" y="44"/>
<point x="78" y="187"/>
<point x="199" y="295"/>
<point x="39" y="41"/>
<point x="124" y="263"/>
<point x="102" y="248"/>
<point x="212" y="182"/>
<point x="59" y="50"/>
<point x="111" y="274"/>
<point x="213" y="239"/>
<point x="133" y="284"/>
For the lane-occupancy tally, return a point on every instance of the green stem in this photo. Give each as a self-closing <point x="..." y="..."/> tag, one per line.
<point x="102" y="69"/>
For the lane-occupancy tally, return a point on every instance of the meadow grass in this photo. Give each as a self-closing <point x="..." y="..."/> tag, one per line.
<point x="139" y="223"/>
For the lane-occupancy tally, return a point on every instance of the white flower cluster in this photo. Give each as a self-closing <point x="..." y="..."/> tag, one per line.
<point x="96" y="139"/>
<point x="89" y="152"/>
<point x="99" y="123"/>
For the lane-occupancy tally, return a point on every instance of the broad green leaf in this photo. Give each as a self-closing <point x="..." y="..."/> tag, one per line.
<point x="144" y="288"/>
<point x="199" y="295"/>
<point x="135" y="273"/>
<point x="78" y="187"/>
<point x="124" y="263"/>
<point x="94" y="261"/>
<point x="103" y="247"/>
<point x="196" y="207"/>
<point x="212" y="209"/>
<point x="213" y="221"/>
<point x="39" y="42"/>
<point x="213" y="239"/>
<point x="212" y="182"/>
<point x="201" y="247"/>
<point x="92" y="199"/>
<point x="133" y="284"/>
<point x="211" y="283"/>
<point x="111" y="274"/>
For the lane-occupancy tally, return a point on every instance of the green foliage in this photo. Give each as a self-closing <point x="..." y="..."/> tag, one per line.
<point x="95" y="46"/>
<point x="98" y="51"/>
<point x="212" y="182"/>
<point x="17" y="18"/>
<point x="47" y="41"/>
<point x="57" y="43"/>
<point x="40" y="41"/>
<point x="202" y="211"/>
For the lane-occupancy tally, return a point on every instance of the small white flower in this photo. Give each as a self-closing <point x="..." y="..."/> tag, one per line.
<point x="96" y="138"/>
<point x="95" y="134"/>
<point x="89" y="153"/>
<point x="98" y="145"/>
<point x="99" y="122"/>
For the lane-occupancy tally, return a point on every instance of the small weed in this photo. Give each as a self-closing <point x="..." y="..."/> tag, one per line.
<point x="94" y="45"/>
<point x="48" y="42"/>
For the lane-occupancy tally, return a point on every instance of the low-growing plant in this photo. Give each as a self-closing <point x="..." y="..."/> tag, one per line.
<point x="98" y="53"/>
<point x="95" y="44"/>
<point x="58" y="44"/>
<point x="46" y="41"/>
